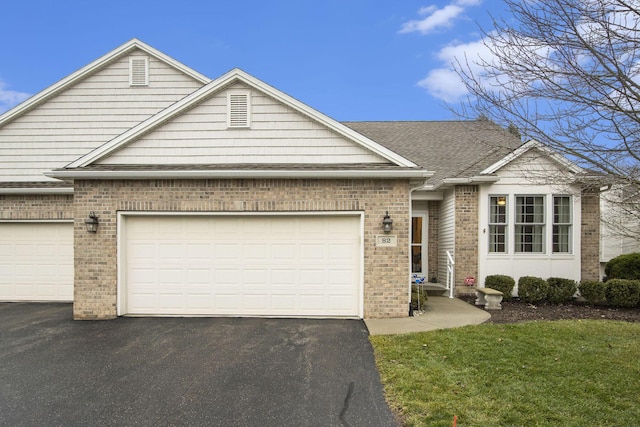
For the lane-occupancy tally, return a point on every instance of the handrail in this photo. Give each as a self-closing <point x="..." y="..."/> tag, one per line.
<point x="450" y="276"/>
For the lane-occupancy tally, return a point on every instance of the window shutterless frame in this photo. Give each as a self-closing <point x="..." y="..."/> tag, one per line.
<point x="562" y="224"/>
<point x="529" y="233"/>
<point x="498" y="224"/>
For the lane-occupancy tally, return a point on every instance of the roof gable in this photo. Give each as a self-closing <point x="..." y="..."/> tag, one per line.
<point x="152" y="132"/>
<point x="87" y="109"/>
<point x="531" y="147"/>
<point x="91" y="68"/>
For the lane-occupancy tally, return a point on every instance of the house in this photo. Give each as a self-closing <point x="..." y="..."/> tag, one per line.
<point x="228" y="197"/>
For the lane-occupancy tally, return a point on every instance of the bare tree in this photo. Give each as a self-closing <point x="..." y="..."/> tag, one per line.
<point x="567" y="74"/>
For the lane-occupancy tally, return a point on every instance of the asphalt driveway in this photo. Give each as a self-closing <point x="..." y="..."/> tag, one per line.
<point x="185" y="371"/>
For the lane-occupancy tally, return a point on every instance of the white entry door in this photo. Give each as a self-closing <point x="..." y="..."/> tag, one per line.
<point x="36" y="261"/>
<point x="242" y="265"/>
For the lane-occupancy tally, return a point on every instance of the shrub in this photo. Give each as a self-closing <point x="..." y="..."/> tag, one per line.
<point x="594" y="292"/>
<point x="501" y="283"/>
<point x="622" y="292"/>
<point x="532" y="289"/>
<point x="561" y="290"/>
<point x="418" y="298"/>
<point x="624" y="267"/>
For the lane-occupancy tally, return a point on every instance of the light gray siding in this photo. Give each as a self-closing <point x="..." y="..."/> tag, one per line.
<point x="277" y="134"/>
<point x="446" y="240"/>
<point x="85" y="116"/>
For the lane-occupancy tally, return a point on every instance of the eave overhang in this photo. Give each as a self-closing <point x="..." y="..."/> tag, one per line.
<point x="238" y="173"/>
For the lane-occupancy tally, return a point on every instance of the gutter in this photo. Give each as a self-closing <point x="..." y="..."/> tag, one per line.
<point x="450" y="182"/>
<point x="32" y="190"/>
<point x="236" y="173"/>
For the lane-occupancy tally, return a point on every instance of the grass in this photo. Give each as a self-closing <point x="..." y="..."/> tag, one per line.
<point x="561" y="373"/>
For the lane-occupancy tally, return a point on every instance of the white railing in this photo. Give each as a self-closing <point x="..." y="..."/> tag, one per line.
<point x="450" y="278"/>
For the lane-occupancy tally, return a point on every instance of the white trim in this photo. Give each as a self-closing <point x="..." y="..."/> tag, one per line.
<point x="239" y="173"/>
<point x="121" y="231"/>
<point x="32" y="190"/>
<point x="92" y="67"/>
<point x="450" y="182"/>
<point x="24" y="221"/>
<point x="237" y="75"/>
<point x="527" y="147"/>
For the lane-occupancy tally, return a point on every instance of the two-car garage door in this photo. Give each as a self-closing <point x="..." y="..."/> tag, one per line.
<point x="251" y="265"/>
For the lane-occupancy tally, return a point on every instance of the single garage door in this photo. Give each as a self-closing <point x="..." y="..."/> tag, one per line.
<point x="36" y="261"/>
<point x="242" y="265"/>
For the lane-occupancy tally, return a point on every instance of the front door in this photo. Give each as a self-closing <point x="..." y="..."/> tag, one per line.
<point x="419" y="245"/>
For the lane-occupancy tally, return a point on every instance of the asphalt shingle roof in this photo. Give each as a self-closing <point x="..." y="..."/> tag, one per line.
<point x="452" y="149"/>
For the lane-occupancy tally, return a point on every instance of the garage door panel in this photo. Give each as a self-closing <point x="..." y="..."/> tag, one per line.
<point x="284" y="278"/>
<point x="246" y="265"/>
<point x="36" y="261"/>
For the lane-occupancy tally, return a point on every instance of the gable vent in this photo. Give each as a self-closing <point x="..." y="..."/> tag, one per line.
<point x="238" y="110"/>
<point x="139" y="71"/>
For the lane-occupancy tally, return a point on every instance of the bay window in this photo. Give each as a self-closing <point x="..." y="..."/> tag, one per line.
<point x="541" y="224"/>
<point x="529" y="224"/>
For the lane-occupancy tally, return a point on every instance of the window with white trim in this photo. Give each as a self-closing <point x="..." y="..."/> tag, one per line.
<point x="562" y="224"/>
<point x="418" y="249"/>
<point x="498" y="224"/>
<point x="529" y="224"/>
<point x="239" y="109"/>
<point x="139" y="71"/>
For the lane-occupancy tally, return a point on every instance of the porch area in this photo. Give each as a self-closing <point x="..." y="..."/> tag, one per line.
<point x="440" y="312"/>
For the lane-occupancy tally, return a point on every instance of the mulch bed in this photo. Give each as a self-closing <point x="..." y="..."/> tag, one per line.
<point x="516" y="311"/>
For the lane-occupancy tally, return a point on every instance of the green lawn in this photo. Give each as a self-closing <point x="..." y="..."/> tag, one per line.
<point x="562" y="373"/>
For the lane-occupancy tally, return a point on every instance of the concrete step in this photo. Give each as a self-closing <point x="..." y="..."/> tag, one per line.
<point x="435" y="289"/>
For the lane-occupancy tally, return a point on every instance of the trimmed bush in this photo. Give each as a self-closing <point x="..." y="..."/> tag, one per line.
<point x="594" y="292"/>
<point x="623" y="293"/>
<point x="418" y="298"/>
<point x="561" y="290"/>
<point x="532" y="289"/>
<point x="501" y="283"/>
<point x="624" y="267"/>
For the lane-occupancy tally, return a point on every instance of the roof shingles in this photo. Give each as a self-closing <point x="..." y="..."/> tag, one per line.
<point x="453" y="149"/>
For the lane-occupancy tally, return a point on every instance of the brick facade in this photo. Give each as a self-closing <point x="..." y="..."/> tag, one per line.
<point x="590" y="231"/>
<point x="386" y="269"/>
<point x="36" y="207"/>
<point x="466" y="235"/>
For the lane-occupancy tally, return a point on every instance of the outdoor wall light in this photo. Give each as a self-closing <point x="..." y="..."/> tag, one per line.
<point x="92" y="223"/>
<point x="387" y="223"/>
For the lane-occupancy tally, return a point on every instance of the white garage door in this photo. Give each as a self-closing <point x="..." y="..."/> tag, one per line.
<point x="36" y="261"/>
<point x="242" y="265"/>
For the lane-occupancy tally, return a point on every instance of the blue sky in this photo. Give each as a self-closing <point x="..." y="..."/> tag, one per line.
<point x="349" y="59"/>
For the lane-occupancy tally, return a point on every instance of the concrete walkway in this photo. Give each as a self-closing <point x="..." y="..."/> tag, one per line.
<point x="440" y="313"/>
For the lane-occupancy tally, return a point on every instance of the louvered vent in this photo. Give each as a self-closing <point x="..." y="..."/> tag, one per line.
<point x="139" y="71"/>
<point x="238" y="114"/>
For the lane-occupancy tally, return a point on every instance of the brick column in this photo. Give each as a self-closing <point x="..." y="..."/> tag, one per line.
<point x="590" y="232"/>
<point x="466" y="233"/>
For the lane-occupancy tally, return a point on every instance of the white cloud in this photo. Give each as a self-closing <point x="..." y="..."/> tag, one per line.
<point x="10" y="98"/>
<point x="443" y="82"/>
<point x="437" y="18"/>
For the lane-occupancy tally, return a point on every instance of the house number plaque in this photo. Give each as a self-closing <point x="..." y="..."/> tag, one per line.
<point x="386" y="240"/>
